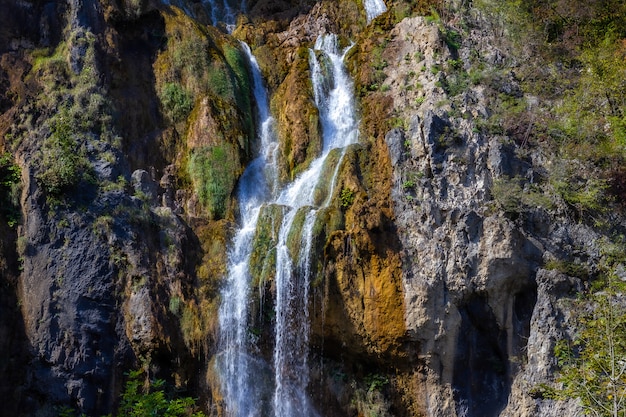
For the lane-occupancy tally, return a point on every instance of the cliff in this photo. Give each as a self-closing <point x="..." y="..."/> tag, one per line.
<point x="448" y="244"/>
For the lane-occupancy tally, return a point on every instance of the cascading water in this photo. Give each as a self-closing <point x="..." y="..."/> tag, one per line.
<point x="244" y="393"/>
<point x="220" y="11"/>
<point x="374" y="8"/>
<point x="334" y="98"/>
<point x="236" y="366"/>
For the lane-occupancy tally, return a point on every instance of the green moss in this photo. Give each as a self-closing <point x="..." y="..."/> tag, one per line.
<point x="297" y="119"/>
<point x="328" y="220"/>
<point x="206" y="63"/>
<point x="263" y="256"/>
<point x="219" y="81"/>
<point x="294" y="238"/>
<point x="243" y="85"/>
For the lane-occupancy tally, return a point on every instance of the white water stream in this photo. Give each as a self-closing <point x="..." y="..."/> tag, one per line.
<point x="246" y="391"/>
<point x="374" y="8"/>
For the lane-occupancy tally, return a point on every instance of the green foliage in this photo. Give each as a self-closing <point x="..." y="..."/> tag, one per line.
<point x="220" y="82"/>
<point x="585" y="195"/>
<point x="9" y="189"/>
<point x="347" y="197"/>
<point x="451" y="37"/>
<point x="376" y="382"/>
<point x="572" y="54"/>
<point x="455" y="83"/>
<point x="370" y="401"/>
<point x="507" y="194"/>
<point x="511" y="197"/>
<point x="73" y="115"/>
<point x="568" y="268"/>
<point x="593" y="365"/>
<point x="543" y="391"/>
<point x="141" y="399"/>
<point x="595" y="110"/>
<point x="212" y="173"/>
<point x="68" y="412"/>
<point x="64" y="164"/>
<point x="177" y="102"/>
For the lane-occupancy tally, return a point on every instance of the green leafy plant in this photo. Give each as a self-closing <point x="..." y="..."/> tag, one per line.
<point x="149" y="399"/>
<point x="347" y="197"/>
<point x="376" y="382"/>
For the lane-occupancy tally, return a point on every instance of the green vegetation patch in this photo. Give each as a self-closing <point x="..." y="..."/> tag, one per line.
<point x="9" y="189"/>
<point x="177" y="102"/>
<point x="513" y="196"/>
<point x="212" y="171"/>
<point x="593" y="364"/>
<point x="152" y="398"/>
<point x="64" y="162"/>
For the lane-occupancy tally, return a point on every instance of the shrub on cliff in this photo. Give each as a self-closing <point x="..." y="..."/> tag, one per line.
<point x="593" y="365"/>
<point x="176" y="101"/>
<point x="64" y="164"/>
<point x="211" y="170"/>
<point x="9" y="183"/>
<point x="148" y="400"/>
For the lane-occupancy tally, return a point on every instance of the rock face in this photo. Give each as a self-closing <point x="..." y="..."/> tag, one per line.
<point x="132" y="123"/>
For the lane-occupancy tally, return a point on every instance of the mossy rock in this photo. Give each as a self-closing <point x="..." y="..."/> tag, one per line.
<point x="298" y="121"/>
<point x="214" y="238"/>
<point x="323" y="186"/>
<point x="263" y="256"/>
<point x="207" y="68"/>
<point x="328" y="220"/>
<point x="294" y="238"/>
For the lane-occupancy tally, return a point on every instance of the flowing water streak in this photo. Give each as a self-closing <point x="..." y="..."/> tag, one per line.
<point x="224" y="11"/>
<point x="235" y="365"/>
<point x="374" y="8"/>
<point x="333" y="91"/>
<point x="239" y="370"/>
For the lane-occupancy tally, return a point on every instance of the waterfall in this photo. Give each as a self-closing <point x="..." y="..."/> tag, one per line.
<point x="224" y="11"/>
<point x="374" y="8"/>
<point x="242" y="373"/>
<point x="235" y="365"/>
